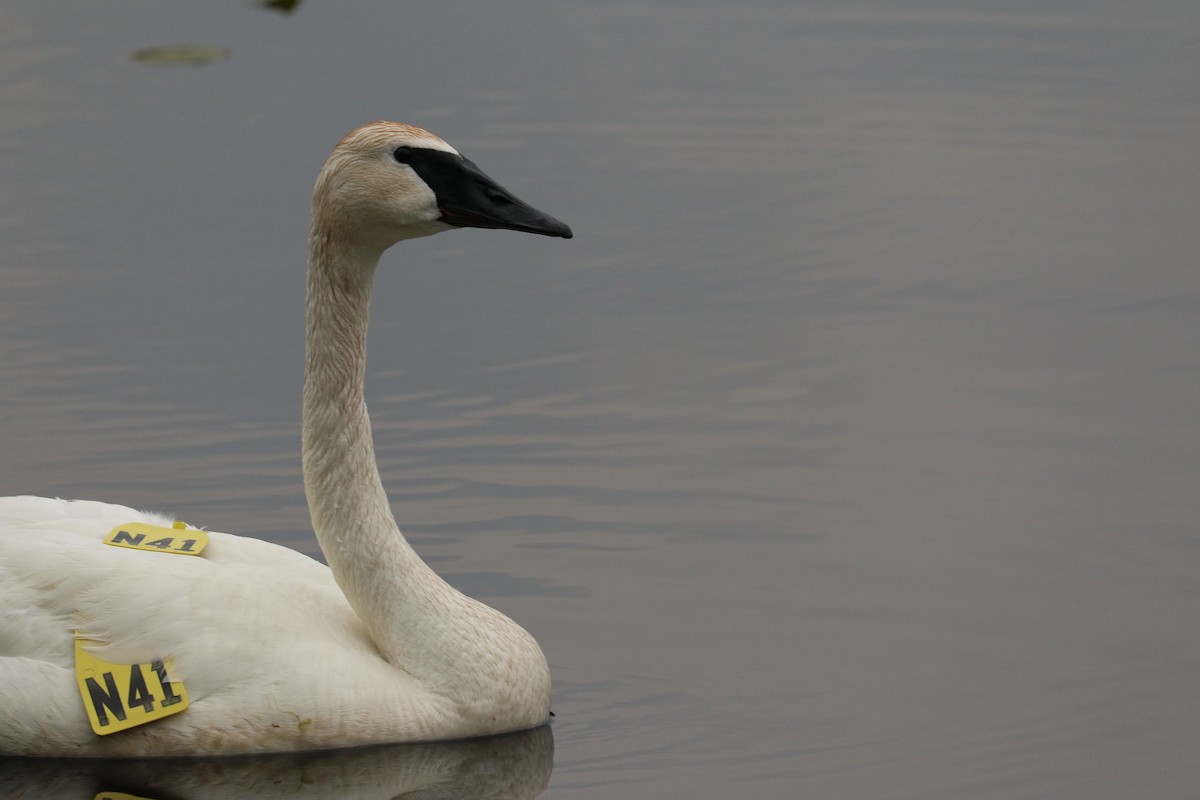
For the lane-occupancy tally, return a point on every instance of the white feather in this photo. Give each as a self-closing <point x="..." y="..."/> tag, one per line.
<point x="276" y="651"/>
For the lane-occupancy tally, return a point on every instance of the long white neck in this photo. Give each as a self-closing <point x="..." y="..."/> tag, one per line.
<point x="385" y="581"/>
<point x="487" y="668"/>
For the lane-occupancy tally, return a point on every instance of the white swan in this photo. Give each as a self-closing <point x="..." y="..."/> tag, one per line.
<point x="271" y="650"/>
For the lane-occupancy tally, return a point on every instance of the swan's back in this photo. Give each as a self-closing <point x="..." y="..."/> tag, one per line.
<point x="56" y="566"/>
<point x="256" y="631"/>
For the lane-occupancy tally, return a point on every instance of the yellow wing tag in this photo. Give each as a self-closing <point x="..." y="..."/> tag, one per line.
<point x="139" y="536"/>
<point x="122" y="696"/>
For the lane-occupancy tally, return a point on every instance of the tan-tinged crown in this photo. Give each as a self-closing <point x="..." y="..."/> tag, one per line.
<point x="377" y="134"/>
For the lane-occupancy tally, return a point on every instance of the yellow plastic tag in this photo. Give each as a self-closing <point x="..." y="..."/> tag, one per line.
<point x="140" y="536"/>
<point x="122" y="696"/>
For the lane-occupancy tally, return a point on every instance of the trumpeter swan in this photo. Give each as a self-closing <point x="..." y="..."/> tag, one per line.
<point x="263" y="648"/>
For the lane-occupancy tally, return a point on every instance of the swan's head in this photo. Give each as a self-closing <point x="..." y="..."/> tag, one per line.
<point x="387" y="181"/>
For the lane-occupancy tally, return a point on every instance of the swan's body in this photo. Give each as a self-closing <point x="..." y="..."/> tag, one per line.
<point x="278" y="652"/>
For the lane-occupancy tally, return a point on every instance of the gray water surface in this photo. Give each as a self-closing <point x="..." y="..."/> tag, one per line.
<point x="850" y="450"/>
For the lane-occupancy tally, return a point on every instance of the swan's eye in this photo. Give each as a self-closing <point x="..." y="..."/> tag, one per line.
<point x="402" y="154"/>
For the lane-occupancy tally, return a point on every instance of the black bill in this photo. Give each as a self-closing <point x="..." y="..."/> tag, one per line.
<point x="468" y="198"/>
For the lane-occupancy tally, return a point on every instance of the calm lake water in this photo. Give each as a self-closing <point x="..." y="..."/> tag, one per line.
<point x="850" y="450"/>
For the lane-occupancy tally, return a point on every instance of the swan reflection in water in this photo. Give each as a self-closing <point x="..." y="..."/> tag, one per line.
<point x="506" y="767"/>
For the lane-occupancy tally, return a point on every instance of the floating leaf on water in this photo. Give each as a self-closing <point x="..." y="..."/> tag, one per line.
<point x="182" y="54"/>
<point x="282" y="6"/>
